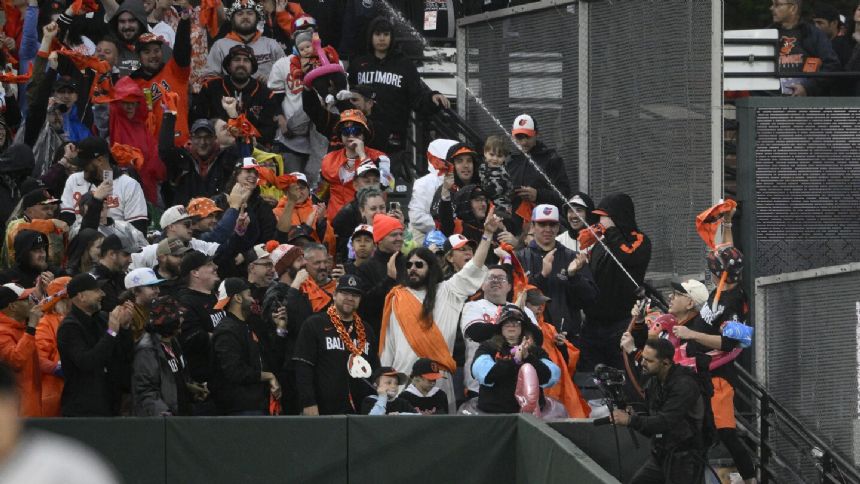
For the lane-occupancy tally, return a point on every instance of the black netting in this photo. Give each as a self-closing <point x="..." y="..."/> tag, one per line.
<point x="811" y="342"/>
<point x="806" y="182"/>
<point x="527" y="63"/>
<point x="649" y="121"/>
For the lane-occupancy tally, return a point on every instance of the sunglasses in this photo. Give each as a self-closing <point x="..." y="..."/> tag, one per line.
<point x="418" y="264"/>
<point x="350" y="130"/>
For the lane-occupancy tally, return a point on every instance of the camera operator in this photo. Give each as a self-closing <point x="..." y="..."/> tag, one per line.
<point x="676" y="410"/>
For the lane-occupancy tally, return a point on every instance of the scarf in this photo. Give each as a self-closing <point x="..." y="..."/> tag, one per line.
<point x="423" y="336"/>
<point x="319" y="297"/>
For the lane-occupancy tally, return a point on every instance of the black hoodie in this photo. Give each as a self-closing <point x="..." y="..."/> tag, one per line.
<point x="632" y="248"/>
<point x="16" y="164"/>
<point x="524" y="174"/>
<point x="22" y="273"/>
<point x="395" y="79"/>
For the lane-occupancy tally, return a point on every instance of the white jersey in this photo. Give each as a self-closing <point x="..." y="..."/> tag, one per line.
<point x="148" y="257"/>
<point x="125" y="203"/>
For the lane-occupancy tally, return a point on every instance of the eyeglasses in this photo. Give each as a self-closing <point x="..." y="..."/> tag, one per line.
<point x="205" y="137"/>
<point x="677" y="294"/>
<point x="418" y="264"/>
<point x="497" y="279"/>
<point x="353" y="130"/>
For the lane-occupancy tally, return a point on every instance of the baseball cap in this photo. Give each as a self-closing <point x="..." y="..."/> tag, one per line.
<point x="388" y="371"/>
<point x="427" y="368"/>
<point x="545" y="213"/>
<point x="362" y="229"/>
<point x="229" y="287"/>
<point x="435" y="238"/>
<point x="300" y="177"/>
<point x="363" y="90"/>
<point x="202" y="123"/>
<point x="247" y="163"/>
<point x="299" y="232"/>
<point x="80" y="283"/>
<point x="111" y="242"/>
<point x="524" y="124"/>
<point x="172" y="246"/>
<point x="366" y="167"/>
<point x="176" y="213"/>
<point x="20" y="291"/>
<point x="578" y="201"/>
<point x="349" y="283"/>
<point x="458" y="241"/>
<point x="535" y="297"/>
<point x="90" y="149"/>
<point x="202" y="207"/>
<point x="39" y="196"/>
<point x="142" y="276"/>
<point x="693" y="288"/>
<point x="65" y="82"/>
<point x="256" y="253"/>
<point x="148" y="38"/>
<point x="192" y="261"/>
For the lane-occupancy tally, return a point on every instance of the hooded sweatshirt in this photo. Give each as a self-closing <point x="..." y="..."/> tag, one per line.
<point x="632" y="248"/>
<point x="16" y="163"/>
<point x="569" y="238"/>
<point x="523" y="173"/>
<point x="22" y="273"/>
<point x="399" y="89"/>
<point x="128" y="60"/>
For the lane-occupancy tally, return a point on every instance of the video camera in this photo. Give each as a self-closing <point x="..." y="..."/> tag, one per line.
<point x="610" y="381"/>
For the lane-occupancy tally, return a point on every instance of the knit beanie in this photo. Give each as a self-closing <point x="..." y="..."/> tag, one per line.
<point x="384" y="225"/>
<point x="304" y="36"/>
<point x="284" y="255"/>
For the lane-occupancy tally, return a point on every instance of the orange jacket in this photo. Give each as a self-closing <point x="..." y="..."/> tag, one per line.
<point x="565" y="391"/>
<point x="18" y="349"/>
<point x="301" y="213"/>
<point x="46" y="344"/>
<point x="340" y="192"/>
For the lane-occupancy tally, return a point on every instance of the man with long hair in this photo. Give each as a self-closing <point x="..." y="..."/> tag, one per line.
<point x="422" y="312"/>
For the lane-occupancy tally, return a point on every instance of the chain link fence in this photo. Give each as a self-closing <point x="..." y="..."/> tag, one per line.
<point x="620" y="92"/>
<point x="807" y="325"/>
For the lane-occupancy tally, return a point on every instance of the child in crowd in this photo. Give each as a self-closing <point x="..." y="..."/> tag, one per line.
<point x="422" y="393"/>
<point x="308" y="60"/>
<point x="386" y="380"/>
<point x="495" y="179"/>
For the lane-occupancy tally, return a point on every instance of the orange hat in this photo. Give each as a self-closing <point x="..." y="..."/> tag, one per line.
<point x="202" y="207"/>
<point x="56" y="293"/>
<point x="384" y="225"/>
<point x="355" y="116"/>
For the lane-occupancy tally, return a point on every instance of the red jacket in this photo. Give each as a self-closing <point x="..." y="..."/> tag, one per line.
<point x="18" y="349"/>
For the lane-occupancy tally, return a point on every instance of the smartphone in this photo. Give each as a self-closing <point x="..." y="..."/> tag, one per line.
<point x="392" y="206"/>
<point x="107" y="176"/>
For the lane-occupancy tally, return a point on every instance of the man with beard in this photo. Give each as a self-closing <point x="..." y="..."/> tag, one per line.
<point x="201" y="276"/>
<point x="477" y="322"/>
<point x="239" y="379"/>
<point x="674" y="418"/>
<point x="199" y="170"/>
<point x="254" y="99"/>
<point x="110" y="270"/>
<point x="161" y="78"/>
<point x="311" y="289"/>
<point x="422" y="313"/>
<point x="125" y="201"/>
<point x="31" y="262"/>
<point x="560" y="273"/>
<point x="335" y="355"/>
<point x="96" y="350"/>
<point x="144" y="286"/>
<point x="169" y="254"/>
<point x="244" y="16"/>
<point x="582" y="208"/>
<point x="128" y="23"/>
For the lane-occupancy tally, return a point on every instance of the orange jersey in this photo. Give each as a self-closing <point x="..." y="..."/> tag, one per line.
<point x="171" y="78"/>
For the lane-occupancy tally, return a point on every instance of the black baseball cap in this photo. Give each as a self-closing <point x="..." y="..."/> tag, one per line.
<point x="365" y="90"/>
<point x="80" y="283"/>
<point x="230" y="287"/>
<point x="40" y="196"/>
<point x="65" y="82"/>
<point x="388" y="371"/>
<point x="202" y="123"/>
<point x="111" y="242"/>
<point x="7" y="297"/>
<point x="90" y="149"/>
<point x="427" y="368"/>
<point x="349" y="283"/>
<point x="193" y="260"/>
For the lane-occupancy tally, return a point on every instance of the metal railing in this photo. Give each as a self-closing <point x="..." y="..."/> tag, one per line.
<point x="769" y="421"/>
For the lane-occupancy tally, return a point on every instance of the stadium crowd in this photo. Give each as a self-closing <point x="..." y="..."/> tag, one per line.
<point x="198" y="223"/>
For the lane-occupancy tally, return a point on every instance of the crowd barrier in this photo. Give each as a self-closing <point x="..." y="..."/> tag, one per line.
<point x="331" y="450"/>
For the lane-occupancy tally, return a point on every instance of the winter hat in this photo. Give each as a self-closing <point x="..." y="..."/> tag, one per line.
<point x="304" y="36"/>
<point x="383" y="225"/>
<point x="239" y="49"/>
<point x="165" y="316"/>
<point x="726" y="259"/>
<point x="284" y="255"/>
<point x="238" y="5"/>
<point x="27" y="240"/>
